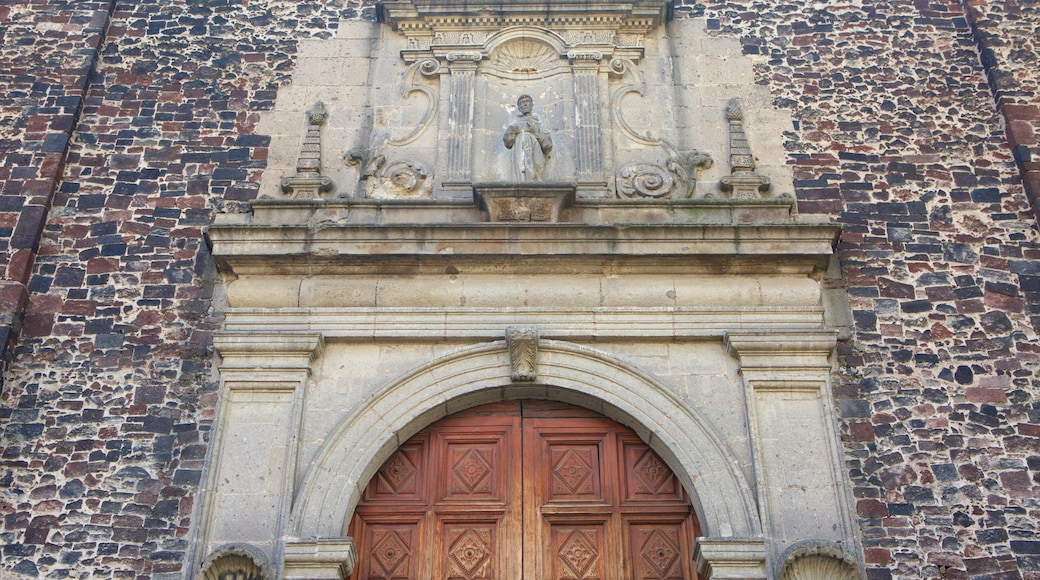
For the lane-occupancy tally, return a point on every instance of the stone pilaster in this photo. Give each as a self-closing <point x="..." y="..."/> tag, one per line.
<point x="458" y="162"/>
<point x="589" y="142"/>
<point x="795" y="441"/>
<point x="263" y="378"/>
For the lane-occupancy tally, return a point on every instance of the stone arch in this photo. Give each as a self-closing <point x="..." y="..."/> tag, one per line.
<point x="568" y="373"/>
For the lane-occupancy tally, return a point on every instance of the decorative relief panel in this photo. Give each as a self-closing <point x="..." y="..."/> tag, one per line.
<point x="575" y="472"/>
<point x="656" y="552"/>
<point x="471" y="552"/>
<point x="649" y="473"/>
<point x="472" y="470"/>
<point x="391" y="555"/>
<point x="398" y="476"/>
<point x="579" y="552"/>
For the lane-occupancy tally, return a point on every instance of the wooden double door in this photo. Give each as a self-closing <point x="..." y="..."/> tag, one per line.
<point x="524" y="490"/>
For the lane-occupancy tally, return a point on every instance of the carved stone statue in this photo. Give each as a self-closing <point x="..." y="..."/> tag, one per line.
<point x="529" y="141"/>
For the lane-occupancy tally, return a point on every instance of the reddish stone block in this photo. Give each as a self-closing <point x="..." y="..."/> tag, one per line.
<point x="861" y="431"/>
<point x="984" y="395"/>
<point x="878" y="556"/>
<point x="871" y="508"/>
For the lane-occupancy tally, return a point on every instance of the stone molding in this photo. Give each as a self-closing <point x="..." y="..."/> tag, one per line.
<point x="731" y="558"/>
<point x="319" y="559"/>
<point x="567" y="372"/>
<point x="427" y="17"/>
<point x="576" y="324"/>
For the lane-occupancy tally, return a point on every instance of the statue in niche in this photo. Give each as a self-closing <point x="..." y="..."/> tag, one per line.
<point x="529" y="141"/>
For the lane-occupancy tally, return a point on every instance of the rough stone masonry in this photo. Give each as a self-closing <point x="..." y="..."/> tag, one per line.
<point x="125" y="126"/>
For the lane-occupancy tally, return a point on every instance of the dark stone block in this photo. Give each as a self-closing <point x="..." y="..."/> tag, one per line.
<point x="1025" y="546"/>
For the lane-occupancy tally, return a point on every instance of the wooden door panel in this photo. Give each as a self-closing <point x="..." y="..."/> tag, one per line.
<point x="646" y="477"/>
<point x="524" y="491"/>
<point x="471" y="551"/>
<point x="392" y="552"/>
<point x="398" y="480"/>
<point x="577" y="552"/>
<point x="476" y="459"/>
<point x="656" y="551"/>
<point x="575" y="472"/>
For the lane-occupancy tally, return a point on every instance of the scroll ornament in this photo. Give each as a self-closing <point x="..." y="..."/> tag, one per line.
<point x="396" y="180"/>
<point x="677" y="178"/>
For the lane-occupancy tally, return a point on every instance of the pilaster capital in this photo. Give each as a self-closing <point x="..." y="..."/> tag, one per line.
<point x="585" y="59"/>
<point x="463" y="60"/>
<point x="319" y="559"/>
<point x="731" y="558"/>
<point x="267" y="358"/>
<point x="782" y="352"/>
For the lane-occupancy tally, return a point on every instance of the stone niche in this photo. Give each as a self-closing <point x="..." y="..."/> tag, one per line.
<point x="641" y="252"/>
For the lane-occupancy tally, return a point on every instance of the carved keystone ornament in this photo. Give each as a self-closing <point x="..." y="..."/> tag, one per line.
<point x="522" y="343"/>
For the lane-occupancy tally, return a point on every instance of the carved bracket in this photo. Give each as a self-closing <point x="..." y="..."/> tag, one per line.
<point x="522" y="343"/>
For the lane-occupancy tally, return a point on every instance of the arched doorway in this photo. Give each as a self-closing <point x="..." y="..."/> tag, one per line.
<point x="524" y="489"/>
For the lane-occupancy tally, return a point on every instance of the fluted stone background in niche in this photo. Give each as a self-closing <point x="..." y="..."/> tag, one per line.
<point x="108" y="392"/>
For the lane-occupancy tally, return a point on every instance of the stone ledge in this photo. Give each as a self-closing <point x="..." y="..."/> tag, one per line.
<point x="731" y="249"/>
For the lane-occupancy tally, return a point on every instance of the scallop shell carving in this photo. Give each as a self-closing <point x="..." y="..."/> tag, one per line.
<point x="819" y="562"/>
<point x="236" y="563"/>
<point x="524" y="57"/>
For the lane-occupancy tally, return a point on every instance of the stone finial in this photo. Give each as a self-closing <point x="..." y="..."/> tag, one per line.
<point x="308" y="181"/>
<point x="743" y="182"/>
<point x="522" y="343"/>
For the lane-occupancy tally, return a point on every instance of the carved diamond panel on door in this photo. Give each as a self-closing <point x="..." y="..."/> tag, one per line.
<point x="391" y="556"/>
<point x="578" y="552"/>
<point x="575" y="471"/>
<point x="527" y="490"/>
<point x="470" y="552"/>
<point x="656" y="551"/>
<point x="646" y="476"/>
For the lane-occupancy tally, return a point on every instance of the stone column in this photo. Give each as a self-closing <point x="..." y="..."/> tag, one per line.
<point x="458" y="163"/>
<point x="731" y="558"/>
<point x="798" y="459"/>
<point x="588" y="140"/>
<point x="251" y="477"/>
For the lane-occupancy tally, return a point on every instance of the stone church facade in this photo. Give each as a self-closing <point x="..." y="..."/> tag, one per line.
<point x="313" y="290"/>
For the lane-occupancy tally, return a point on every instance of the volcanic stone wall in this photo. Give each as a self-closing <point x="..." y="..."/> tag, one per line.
<point x="124" y="126"/>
